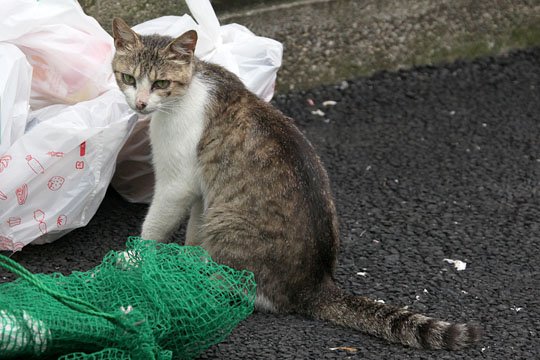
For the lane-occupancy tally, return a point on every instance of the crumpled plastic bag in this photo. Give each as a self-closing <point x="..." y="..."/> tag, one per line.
<point x="70" y="53"/>
<point x="63" y="120"/>
<point x="254" y="59"/>
<point x="15" y="79"/>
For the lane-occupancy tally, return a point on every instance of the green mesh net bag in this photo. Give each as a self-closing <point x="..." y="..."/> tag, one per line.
<point x="152" y="301"/>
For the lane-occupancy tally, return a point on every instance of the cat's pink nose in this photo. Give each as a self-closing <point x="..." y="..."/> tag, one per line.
<point x="140" y="105"/>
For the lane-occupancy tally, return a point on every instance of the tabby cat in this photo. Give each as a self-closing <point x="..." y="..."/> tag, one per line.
<point x="256" y="192"/>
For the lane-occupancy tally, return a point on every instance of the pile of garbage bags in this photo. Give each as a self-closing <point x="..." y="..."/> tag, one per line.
<point x="66" y="131"/>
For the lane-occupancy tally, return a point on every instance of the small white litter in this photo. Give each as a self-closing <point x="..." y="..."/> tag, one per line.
<point x="344" y="348"/>
<point x="458" y="264"/>
<point x="329" y="103"/>
<point x="318" y="112"/>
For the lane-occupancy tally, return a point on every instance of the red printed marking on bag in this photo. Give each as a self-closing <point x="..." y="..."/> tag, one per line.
<point x="35" y="165"/>
<point x="7" y="244"/>
<point x="43" y="228"/>
<point x="79" y="165"/>
<point x="39" y="216"/>
<point x="58" y="154"/>
<point x="4" y="162"/>
<point x="82" y="149"/>
<point x="55" y="183"/>
<point x="14" y="221"/>
<point x="3" y="196"/>
<point x="22" y="194"/>
<point x="61" y="221"/>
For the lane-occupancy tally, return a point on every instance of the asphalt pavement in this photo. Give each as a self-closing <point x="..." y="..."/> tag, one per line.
<point x="428" y="166"/>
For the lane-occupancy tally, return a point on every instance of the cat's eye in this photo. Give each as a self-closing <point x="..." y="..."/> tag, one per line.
<point x="161" y="84"/>
<point x="128" y="79"/>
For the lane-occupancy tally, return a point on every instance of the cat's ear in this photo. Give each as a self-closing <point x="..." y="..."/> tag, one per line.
<point x="183" y="47"/>
<point x="124" y="37"/>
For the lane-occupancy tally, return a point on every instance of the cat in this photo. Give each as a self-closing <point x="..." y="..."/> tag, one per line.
<point x="257" y="195"/>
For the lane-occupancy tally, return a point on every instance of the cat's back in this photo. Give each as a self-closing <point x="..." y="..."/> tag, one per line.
<point x="258" y="165"/>
<point x="243" y="121"/>
<point x="256" y="135"/>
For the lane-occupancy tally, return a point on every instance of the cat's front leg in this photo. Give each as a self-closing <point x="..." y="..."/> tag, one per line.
<point x="194" y="223"/>
<point x="167" y="210"/>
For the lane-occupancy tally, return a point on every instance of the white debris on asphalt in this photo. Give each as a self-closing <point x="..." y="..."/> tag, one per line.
<point x="344" y="85"/>
<point x="380" y="301"/>
<point x="516" y="309"/>
<point x="361" y="273"/>
<point x="344" y="348"/>
<point x="317" y="112"/>
<point x="417" y="297"/>
<point x="458" y="264"/>
<point x="329" y="103"/>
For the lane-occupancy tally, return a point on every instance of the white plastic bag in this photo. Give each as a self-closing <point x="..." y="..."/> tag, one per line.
<point x="56" y="161"/>
<point x="69" y="52"/>
<point x="15" y="80"/>
<point x="254" y="59"/>
<point x="56" y="175"/>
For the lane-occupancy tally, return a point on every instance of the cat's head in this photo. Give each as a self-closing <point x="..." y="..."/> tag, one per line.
<point x="152" y="70"/>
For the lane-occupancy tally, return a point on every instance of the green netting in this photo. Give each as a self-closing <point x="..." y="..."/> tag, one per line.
<point x="153" y="301"/>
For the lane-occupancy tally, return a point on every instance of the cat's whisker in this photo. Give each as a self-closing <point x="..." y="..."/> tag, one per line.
<point x="168" y="108"/>
<point x="165" y="111"/>
<point x="170" y="105"/>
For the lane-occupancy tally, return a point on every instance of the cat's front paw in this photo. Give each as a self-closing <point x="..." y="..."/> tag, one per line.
<point x="152" y="235"/>
<point x="148" y="234"/>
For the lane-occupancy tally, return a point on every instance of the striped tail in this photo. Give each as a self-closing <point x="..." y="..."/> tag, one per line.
<point x="391" y="323"/>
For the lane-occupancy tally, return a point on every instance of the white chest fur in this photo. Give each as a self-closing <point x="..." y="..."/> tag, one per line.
<point x="175" y="134"/>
